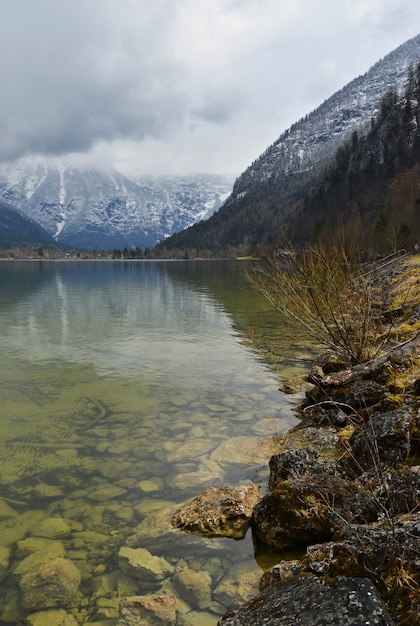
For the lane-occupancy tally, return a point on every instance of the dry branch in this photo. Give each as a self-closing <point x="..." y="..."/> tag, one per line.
<point x="365" y="370"/>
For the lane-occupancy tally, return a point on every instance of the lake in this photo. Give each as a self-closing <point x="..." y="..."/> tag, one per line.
<point x="128" y="387"/>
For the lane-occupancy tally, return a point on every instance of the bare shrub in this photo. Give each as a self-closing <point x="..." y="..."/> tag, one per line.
<point x="330" y="296"/>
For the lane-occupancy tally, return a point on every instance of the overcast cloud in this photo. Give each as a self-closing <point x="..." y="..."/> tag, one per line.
<point x="177" y="86"/>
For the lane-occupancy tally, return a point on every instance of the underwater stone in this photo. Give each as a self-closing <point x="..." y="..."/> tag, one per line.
<point x="152" y="484"/>
<point x="28" y="546"/>
<point x="4" y="560"/>
<point x="140" y="563"/>
<point x="6" y="511"/>
<point x="200" y="478"/>
<point x="51" y="528"/>
<point x="12" y="610"/>
<point x="149" y="505"/>
<point x="192" y="449"/>
<point x="47" y="491"/>
<point x="148" y="611"/>
<point x="199" y="617"/>
<point x="154" y="526"/>
<point x="22" y="524"/>
<point x="106" y="492"/>
<point x="240" y="584"/>
<point x="51" y="550"/>
<point x="194" y="587"/>
<point x="127" y="586"/>
<point x="245" y="450"/>
<point x="51" y="618"/>
<point x="52" y="584"/>
<point x="124" y="513"/>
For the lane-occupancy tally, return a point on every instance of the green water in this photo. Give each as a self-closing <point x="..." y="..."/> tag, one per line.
<point x="127" y="388"/>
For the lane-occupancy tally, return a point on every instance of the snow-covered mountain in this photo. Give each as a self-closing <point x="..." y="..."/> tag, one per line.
<point x="264" y="197"/>
<point x="311" y="141"/>
<point x="105" y="210"/>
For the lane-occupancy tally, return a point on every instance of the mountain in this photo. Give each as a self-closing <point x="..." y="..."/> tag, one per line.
<point x="265" y="195"/>
<point x="16" y="229"/>
<point x="105" y="210"/>
<point x="370" y="192"/>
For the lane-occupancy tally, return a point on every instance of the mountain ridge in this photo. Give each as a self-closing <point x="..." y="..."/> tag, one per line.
<point x="87" y="208"/>
<point x="288" y="168"/>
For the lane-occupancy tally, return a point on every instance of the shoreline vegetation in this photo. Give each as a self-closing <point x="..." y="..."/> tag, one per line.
<point x="106" y="255"/>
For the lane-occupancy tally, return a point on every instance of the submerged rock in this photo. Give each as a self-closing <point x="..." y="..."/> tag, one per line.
<point x="201" y="478"/>
<point x="141" y="564"/>
<point x="47" y="491"/>
<point x="50" y="550"/>
<point x="52" y="584"/>
<point x="245" y="450"/>
<point x="51" y="618"/>
<point x="4" y="560"/>
<point x="148" y="611"/>
<point x="239" y="584"/>
<point x="219" y="512"/>
<point x="308" y="600"/>
<point x="154" y="526"/>
<point x="30" y="545"/>
<point x="194" y="587"/>
<point x="191" y="449"/>
<point x="105" y="493"/>
<point x="6" y="511"/>
<point x="51" y="528"/>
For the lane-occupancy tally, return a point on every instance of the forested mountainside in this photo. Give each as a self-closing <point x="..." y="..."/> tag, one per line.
<point x="17" y="230"/>
<point x="266" y="197"/>
<point x="370" y="194"/>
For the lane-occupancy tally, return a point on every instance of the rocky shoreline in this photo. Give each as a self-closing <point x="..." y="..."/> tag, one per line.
<point x="347" y="487"/>
<point x="344" y="487"/>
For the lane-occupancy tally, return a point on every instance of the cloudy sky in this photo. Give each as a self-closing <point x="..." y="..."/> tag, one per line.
<point x="179" y="86"/>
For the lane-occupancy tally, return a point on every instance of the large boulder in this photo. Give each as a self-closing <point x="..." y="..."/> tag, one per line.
<point x="369" y="547"/>
<point x="308" y="600"/>
<point x="308" y="502"/>
<point x="385" y="438"/>
<point x="219" y="512"/>
<point x="386" y="550"/>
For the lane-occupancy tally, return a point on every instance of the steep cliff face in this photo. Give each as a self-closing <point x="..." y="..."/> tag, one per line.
<point x="94" y="209"/>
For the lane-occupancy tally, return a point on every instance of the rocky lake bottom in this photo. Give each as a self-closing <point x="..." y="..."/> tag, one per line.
<point x="126" y="390"/>
<point x="79" y="484"/>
